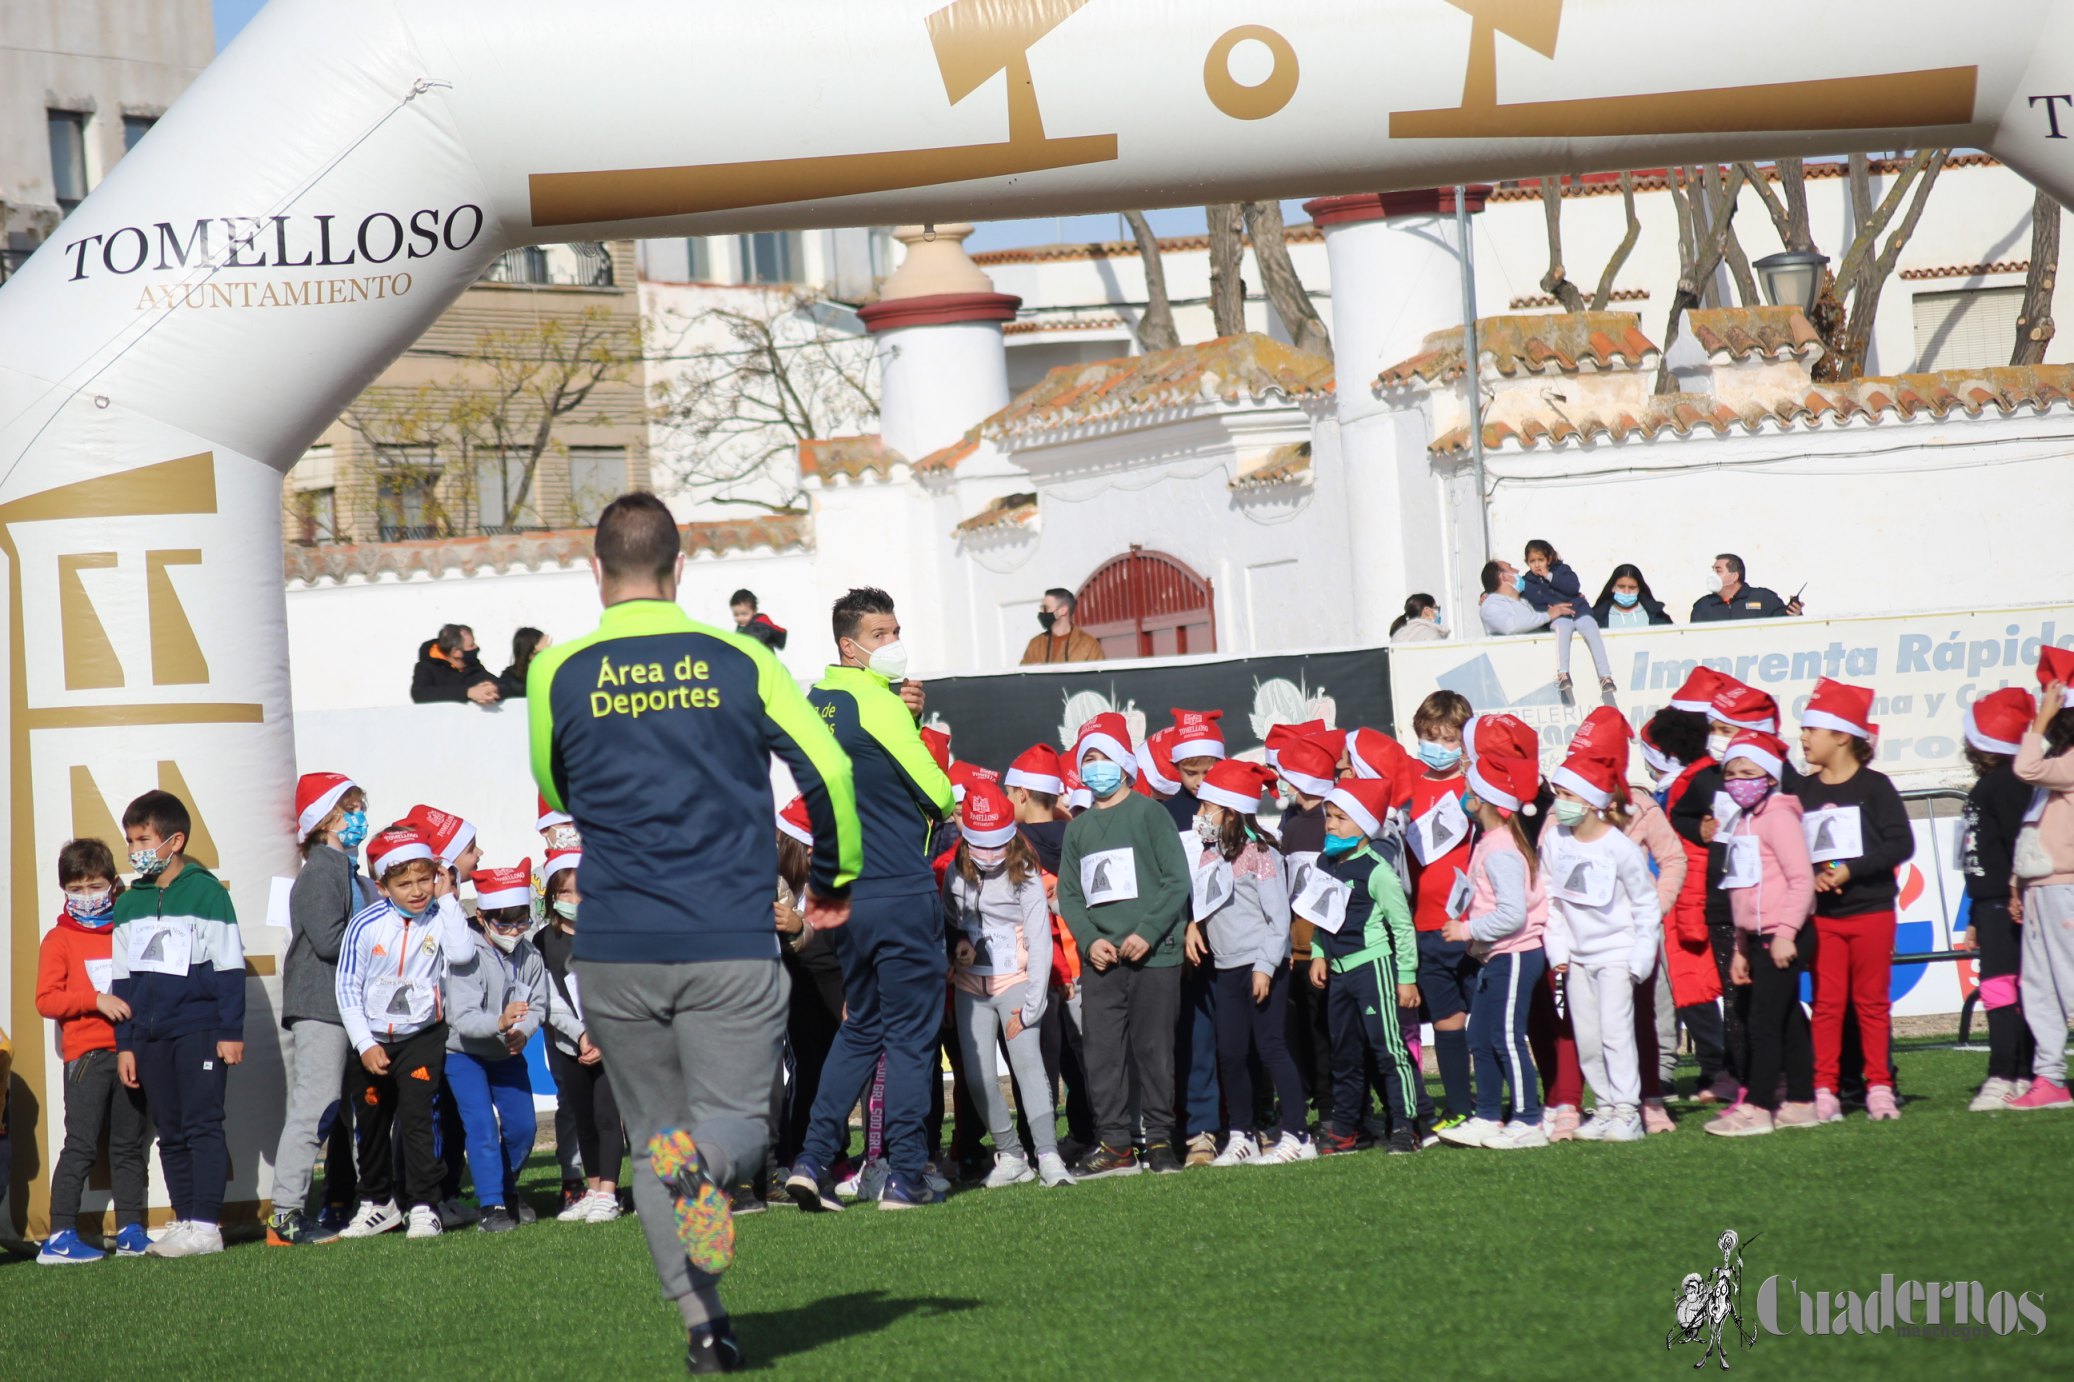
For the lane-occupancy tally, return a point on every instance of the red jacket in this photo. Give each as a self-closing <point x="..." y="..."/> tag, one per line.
<point x="64" y="992"/>
<point x="1688" y="951"/>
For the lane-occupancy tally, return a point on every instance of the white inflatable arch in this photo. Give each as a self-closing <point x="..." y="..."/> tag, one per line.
<point x="347" y="167"/>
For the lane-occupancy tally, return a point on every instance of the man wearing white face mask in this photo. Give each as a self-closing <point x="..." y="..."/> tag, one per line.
<point x="1732" y="599"/>
<point x="892" y="949"/>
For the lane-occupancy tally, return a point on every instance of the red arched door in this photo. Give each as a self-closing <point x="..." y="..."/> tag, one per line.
<point x="1146" y="604"/>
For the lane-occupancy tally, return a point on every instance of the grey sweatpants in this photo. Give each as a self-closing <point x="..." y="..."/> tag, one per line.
<point x="95" y="1103"/>
<point x="318" y="1052"/>
<point x="1602" y="1012"/>
<point x="692" y="1046"/>
<point x="1665" y="1016"/>
<point x="981" y="1023"/>
<point x="2048" y="975"/>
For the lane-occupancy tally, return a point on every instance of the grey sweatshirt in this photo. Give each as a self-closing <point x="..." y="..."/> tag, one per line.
<point x="323" y="899"/>
<point x="1253" y="928"/>
<point x="478" y="990"/>
<point x="995" y="917"/>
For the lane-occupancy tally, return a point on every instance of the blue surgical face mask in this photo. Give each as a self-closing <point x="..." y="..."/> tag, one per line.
<point x="1439" y="757"/>
<point x="1102" y="778"/>
<point x="1626" y="599"/>
<point x="354" y="831"/>
<point x="1339" y="846"/>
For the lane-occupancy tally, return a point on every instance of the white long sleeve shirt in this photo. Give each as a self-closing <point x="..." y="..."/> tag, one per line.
<point x="392" y="970"/>
<point x="1602" y="910"/>
<point x="1502" y="614"/>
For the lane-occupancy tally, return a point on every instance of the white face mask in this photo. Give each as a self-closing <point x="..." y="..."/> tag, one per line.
<point x="985" y="859"/>
<point x="889" y="660"/>
<point x="505" y="943"/>
<point x="1717" y="744"/>
<point x="1716" y="581"/>
<point x="1207" y="830"/>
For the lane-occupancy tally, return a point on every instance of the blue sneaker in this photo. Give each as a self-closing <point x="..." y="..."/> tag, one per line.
<point x="902" y="1193"/>
<point x="811" y="1189"/>
<point x="331" y="1221"/>
<point x="131" y="1241"/>
<point x="66" y="1248"/>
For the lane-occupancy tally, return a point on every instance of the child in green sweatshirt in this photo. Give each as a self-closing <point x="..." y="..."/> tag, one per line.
<point x="1123" y="891"/>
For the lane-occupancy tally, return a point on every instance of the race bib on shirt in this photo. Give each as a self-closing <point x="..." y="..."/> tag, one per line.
<point x="160" y="947"/>
<point x="1300" y="867"/>
<point x="1110" y="876"/>
<point x="1834" y="832"/>
<point x="1458" y="896"/>
<point x="101" y="974"/>
<point x="1210" y="887"/>
<point x="1744" y="866"/>
<point x="1725" y="810"/>
<point x="1584" y="879"/>
<point x="1323" y="901"/>
<point x="397" y="1002"/>
<point x="1442" y="828"/>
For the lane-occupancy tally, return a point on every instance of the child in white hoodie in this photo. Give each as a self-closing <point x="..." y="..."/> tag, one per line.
<point x="1605" y="929"/>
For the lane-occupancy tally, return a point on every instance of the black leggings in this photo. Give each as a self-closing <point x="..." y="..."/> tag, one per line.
<point x="1775" y="1025"/>
<point x="1244" y="1027"/>
<point x="2001" y="957"/>
<point x="586" y="1091"/>
<point x="1721" y="935"/>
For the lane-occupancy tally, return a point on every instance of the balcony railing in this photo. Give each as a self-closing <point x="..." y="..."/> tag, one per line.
<point x="585" y="264"/>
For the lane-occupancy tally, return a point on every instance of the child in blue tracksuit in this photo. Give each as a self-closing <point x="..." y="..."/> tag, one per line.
<point x="1548" y="580"/>
<point x="1365" y="957"/>
<point x="495" y="1000"/>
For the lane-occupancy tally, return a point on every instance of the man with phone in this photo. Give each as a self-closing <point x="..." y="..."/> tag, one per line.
<point x="1733" y="599"/>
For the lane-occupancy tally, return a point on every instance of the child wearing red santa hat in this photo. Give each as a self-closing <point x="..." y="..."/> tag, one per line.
<point x="1439" y="840"/>
<point x="1995" y="808"/>
<point x="2044" y="865"/>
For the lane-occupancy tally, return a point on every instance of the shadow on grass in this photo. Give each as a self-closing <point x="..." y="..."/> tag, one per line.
<point x="773" y="1334"/>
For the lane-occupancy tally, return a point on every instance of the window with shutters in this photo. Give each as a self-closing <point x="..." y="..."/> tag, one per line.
<point x="1973" y="328"/>
<point x="1147" y="604"/>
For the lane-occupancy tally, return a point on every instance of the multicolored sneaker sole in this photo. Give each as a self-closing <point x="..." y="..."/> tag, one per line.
<point x="705" y="1222"/>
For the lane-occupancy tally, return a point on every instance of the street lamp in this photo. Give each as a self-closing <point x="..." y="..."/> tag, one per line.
<point x="1793" y="279"/>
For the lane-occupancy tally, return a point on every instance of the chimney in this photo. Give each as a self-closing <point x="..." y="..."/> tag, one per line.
<point x="942" y="363"/>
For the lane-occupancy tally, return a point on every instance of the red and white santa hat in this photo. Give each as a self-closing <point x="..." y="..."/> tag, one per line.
<point x="1375" y="755"/>
<point x="1604" y="735"/>
<point x="1843" y="708"/>
<point x="1365" y="800"/>
<point x="1659" y="762"/>
<point x="548" y="817"/>
<point x="1197" y="734"/>
<point x="1237" y="784"/>
<point x="559" y="859"/>
<point x="1698" y="692"/>
<point x="938" y="742"/>
<point x="447" y="833"/>
<point x="1501" y="734"/>
<point x="1745" y="707"/>
<point x="391" y="849"/>
<point x="1110" y="733"/>
<point x="1309" y="767"/>
<point x="1036" y="769"/>
<point x="1996" y="722"/>
<point x="1591" y="777"/>
<point x="1280" y="737"/>
<point x="496" y="888"/>
<point x="963" y="775"/>
<point x="794" y="821"/>
<point x="1077" y="797"/>
<point x="1156" y="770"/>
<point x="1767" y="751"/>
<point x="317" y="796"/>
<point x="1506" y="780"/>
<point x="986" y="819"/>
<point x="2055" y="664"/>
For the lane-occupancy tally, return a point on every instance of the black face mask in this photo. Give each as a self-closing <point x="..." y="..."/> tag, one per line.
<point x="1045" y="619"/>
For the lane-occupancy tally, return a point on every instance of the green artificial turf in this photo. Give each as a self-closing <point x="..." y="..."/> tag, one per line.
<point x="1556" y="1263"/>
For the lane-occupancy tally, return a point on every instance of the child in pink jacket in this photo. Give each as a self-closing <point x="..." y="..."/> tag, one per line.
<point x="1771" y="887"/>
<point x="2044" y="867"/>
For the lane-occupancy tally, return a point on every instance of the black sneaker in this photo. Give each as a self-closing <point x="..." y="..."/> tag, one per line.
<point x="1404" y="1140"/>
<point x="1106" y="1160"/>
<point x="1160" y="1159"/>
<point x="496" y="1219"/>
<point x="713" y="1348"/>
<point x="572" y="1191"/>
<point x="742" y="1200"/>
<point x="525" y="1213"/>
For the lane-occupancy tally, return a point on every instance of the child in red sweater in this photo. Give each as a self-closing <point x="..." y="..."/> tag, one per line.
<point x="72" y="989"/>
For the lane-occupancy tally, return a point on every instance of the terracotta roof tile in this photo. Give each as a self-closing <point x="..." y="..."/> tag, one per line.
<point x="1565" y="343"/>
<point x="1302" y="233"/>
<point x="2003" y="266"/>
<point x="1009" y="511"/>
<point x="1544" y="300"/>
<point x="1655" y="179"/>
<point x="1049" y="325"/>
<point x="1773" y="333"/>
<point x="1230" y="369"/>
<point x="1286" y="464"/>
<point x="826" y="457"/>
<point x="532" y="551"/>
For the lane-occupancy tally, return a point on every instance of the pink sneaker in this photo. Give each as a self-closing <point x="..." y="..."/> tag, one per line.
<point x="1562" y="1122"/>
<point x="1744" y="1120"/>
<point x="1656" y="1118"/>
<point x="2043" y="1093"/>
<point x="1880" y="1104"/>
<point x="1827" y="1107"/>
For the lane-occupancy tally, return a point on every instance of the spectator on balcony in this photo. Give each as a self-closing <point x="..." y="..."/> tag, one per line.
<point x="1060" y="641"/>
<point x="1420" y="622"/>
<point x="1501" y="608"/>
<point x="450" y="669"/>
<point x="1733" y="599"/>
<point x="752" y="621"/>
<point x="1627" y="602"/>
<point x="525" y="644"/>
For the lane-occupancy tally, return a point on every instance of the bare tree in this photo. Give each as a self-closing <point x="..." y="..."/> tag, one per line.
<point x="1227" y="286"/>
<point x="1701" y="245"/>
<point x="1556" y="282"/>
<point x="758" y="380"/>
<point x="1732" y="247"/>
<point x="1156" y="325"/>
<point x="1604" y="296"/>
<point x="1278" y="276"/>
<point x="2034" y="328"/>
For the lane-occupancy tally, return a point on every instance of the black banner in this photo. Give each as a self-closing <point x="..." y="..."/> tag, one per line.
<point x="994" y="718"/>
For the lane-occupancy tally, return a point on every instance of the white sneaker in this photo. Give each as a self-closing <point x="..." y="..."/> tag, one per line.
<point x="1477" y="1132"/>
<point x="1995" y="1094"/>
<point x="930" y="1177"/>
<point x="1597" y="1127"/>
<point x="193" y="1240"/>
<point x="373" y="1219"/>
<point x="1291" y="1147"/>
<point x="424" y="1222"/>
<point x="1010" y="1168"/>
<point x="577" y="1210"/>
<point x="1051" y="1169"/>
<point x="864" y="1184"/>
<point x="168" y="1242"/>
<point x="454" y="1214"/>
<point x="1241" y="1148"/>
<point x="1625" y="1124"/>
<point x="1516" y="1136"/>
<point x="601" y="1206"/>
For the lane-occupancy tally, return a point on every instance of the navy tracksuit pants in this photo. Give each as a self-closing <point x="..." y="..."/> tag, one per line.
<point x="183" y="1080"/>
<point x="1367" y="1046"/>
